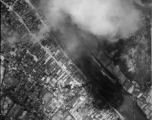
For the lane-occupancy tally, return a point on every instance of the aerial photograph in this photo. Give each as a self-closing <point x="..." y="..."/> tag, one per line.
<point x="76" y="60"/>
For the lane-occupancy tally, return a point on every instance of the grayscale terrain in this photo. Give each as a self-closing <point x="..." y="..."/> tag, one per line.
<point x="75" y="60"/>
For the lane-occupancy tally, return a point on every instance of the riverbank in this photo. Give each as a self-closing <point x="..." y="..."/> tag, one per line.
<point x="130" y="110"/>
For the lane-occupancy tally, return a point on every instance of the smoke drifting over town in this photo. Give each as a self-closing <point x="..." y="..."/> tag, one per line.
<point x="103" y="18"/>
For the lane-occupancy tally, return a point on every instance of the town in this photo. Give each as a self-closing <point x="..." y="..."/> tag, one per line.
<point x="39" y="81"/>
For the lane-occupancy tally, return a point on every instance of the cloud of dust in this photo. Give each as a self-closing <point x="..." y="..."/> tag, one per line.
<point x="103" y="18"/>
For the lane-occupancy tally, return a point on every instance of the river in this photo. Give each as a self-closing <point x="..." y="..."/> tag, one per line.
<point x="130" y="110"/>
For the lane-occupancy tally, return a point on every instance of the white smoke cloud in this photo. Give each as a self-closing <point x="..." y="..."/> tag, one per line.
<point x="103" y="18"/>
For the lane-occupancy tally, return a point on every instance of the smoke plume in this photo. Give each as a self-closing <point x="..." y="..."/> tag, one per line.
<point x="103" y="18"/>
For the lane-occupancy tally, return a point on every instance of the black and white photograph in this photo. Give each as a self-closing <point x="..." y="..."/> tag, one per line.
<point x="76" y="60"/>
